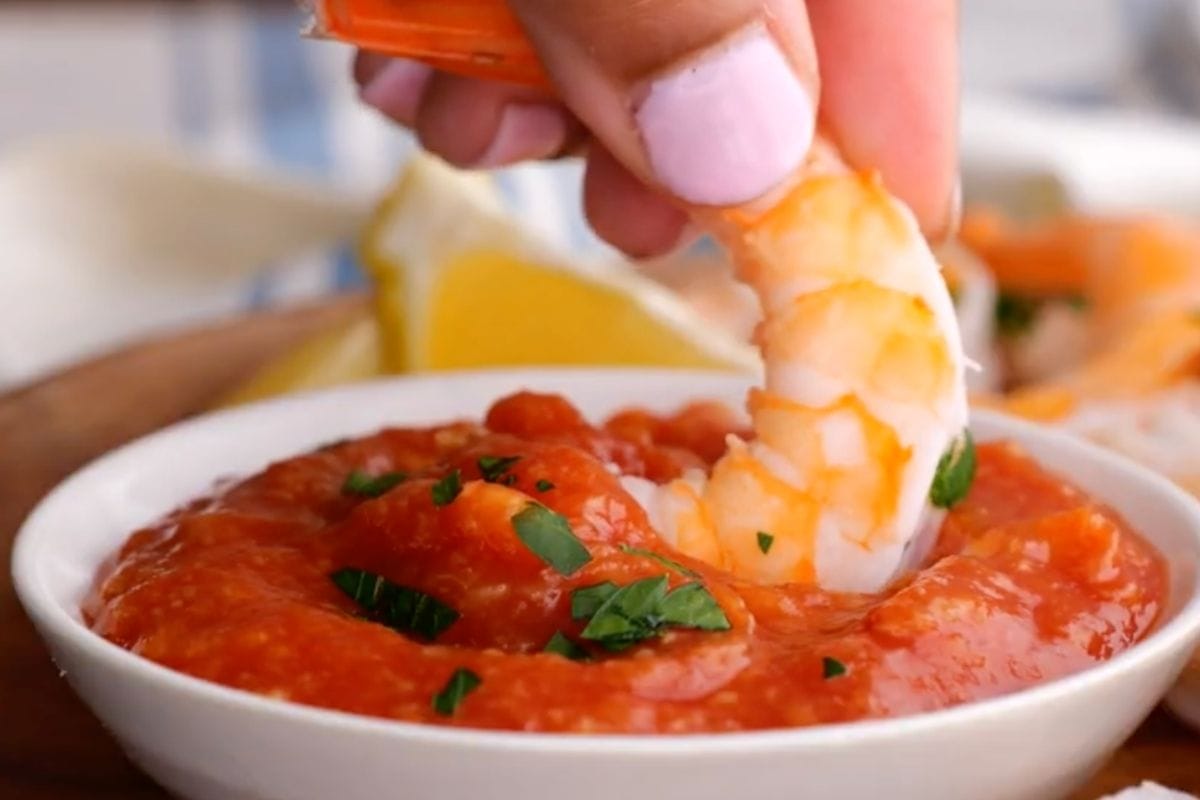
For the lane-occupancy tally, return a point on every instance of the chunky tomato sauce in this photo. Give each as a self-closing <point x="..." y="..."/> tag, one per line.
<point x="1031" y="580"/>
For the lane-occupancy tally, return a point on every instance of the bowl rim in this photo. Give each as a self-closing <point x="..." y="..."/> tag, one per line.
<point x="53" y="620"/>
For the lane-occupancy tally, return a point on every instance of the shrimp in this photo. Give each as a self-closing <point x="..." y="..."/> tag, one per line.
<point x="863" y="402"/>
<point x="1133" y="385"/>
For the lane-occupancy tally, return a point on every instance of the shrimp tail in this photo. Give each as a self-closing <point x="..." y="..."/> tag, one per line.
<point x="474" y="38"/>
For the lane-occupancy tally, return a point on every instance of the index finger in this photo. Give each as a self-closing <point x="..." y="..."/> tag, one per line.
<point x="889" y="95"/>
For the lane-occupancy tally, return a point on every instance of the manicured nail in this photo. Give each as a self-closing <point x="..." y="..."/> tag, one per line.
<point x="730" y="126"/>
<point x="525" y="132"/>
<point x="954" y="215"/>
<point x="397" y="88"/>
<point x="952" y="220"/>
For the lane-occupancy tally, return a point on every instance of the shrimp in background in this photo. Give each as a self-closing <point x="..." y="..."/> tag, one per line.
<point x="859" y="429"/>
<point x="1128" y="378"/>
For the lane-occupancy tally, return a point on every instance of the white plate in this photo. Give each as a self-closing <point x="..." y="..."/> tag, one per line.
<point x="202" y="740"/>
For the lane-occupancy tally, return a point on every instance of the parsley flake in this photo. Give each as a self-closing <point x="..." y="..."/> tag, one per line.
<point x="765" y="540"/>
<point x="361" y="484"/>
<point x="692" y="606"/>
<point x="461" y="684"/>
<point x="492" y="468"/>
<point x="955" y="472"/>
<point x="587" y="601"/>
<point x="659" y="558"/>
<point x="551" y="539"/>
<point x="447" y="489"/>
<point x="1015" y="315"/>
<point x="543" y="485"/>
<point x="560" y="645"/>
<point x="832" y="668"/>
<point x="398" y="607"/>
<point x="641" y="610"/>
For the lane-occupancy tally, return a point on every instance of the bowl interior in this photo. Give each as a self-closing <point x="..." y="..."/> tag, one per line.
<point x="83" y="521"/>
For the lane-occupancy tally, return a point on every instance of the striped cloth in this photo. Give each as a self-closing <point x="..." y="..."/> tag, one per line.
<point x="198" y="108"/>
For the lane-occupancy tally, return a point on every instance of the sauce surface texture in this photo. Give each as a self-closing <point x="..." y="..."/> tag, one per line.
<point x="1030" y="580"/>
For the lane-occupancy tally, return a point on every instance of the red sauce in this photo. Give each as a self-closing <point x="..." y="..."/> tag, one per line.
<point x="1031" y="580"/>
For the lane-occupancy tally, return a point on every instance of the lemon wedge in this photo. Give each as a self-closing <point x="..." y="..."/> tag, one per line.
<point x="347" y="353"/>
<point x="461" y="285"/>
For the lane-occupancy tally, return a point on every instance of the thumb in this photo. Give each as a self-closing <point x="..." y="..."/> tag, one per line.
<point x="711" y="101"/>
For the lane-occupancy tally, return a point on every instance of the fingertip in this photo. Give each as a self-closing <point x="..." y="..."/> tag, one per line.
<point x="479" y="124"/>
<point x="889" y="75"/>
<point x="366" y="65"/>
<point x="393" y="86"/>
<point x="627" y="213"/>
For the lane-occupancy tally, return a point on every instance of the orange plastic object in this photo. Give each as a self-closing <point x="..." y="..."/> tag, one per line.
<point x="478" y="38"/>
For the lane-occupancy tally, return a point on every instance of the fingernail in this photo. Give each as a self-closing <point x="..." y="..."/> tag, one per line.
<point x="525" y="132"/>
<point x="952" y="220"/>
<point x="397" y="88"/>
<point x="727" y="128"/>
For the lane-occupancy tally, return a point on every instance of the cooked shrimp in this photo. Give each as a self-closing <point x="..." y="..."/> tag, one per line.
<point x="864" y="390"/>
<point x="864" y="394"/>
<point x="1127" y="270"/>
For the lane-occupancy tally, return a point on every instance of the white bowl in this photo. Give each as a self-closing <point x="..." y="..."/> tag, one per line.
<point x="202" y="740"/>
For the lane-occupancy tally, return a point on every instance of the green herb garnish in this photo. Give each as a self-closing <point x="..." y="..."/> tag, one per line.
<point x="765" y="540"/>
<point x="643" y="609"/>
<point x="461" y="684"/>
<point x="551" y="539"/>
<point x="398" y="607"/>
<point x="955" y="472"/>
<point x="659" y="558"/>
<point x="1077" y="302"/>
<point x="1015" y="314"/>
<point x="492" y="468"/>
<point x="632" y="614"/>
<point x="543" y="485"/>
<point x="560" y="645"/>
<point x="363" y="485"/>
<point x="692" y="606"/>
<point x="447" y="489"/>
<point x="587" y="601"/>
<point x="832" y="668"/>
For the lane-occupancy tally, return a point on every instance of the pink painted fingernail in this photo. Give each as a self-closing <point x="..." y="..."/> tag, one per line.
<point x="397" y="88"/>
<point x="730" y="126"/>
<point x="525" y="132"/>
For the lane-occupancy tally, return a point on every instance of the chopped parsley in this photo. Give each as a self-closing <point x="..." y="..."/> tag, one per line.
<point x="955" y="472"/>
<point x="361" y="484"/>
<point x="551" y="539"/>
<point x="1015" y="314"/>
<point x="398" y="607"/>
<point x="492" y="468"/>
<point x="447" y="489"/>
<point x="643" y="609"/>
<point x="560" y="645"/>
<point x="1077" y="302"/>
<point x="461" y="684"/>
<point x="587" y="601"/>
<point x="543" y="485"/>
<point x="659" y="558"/>
<point x="691" y="606"/>
<point x="765" y="540"/>
<point x="832" y="668"/>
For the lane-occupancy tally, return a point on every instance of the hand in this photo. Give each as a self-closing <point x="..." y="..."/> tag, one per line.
<point x="707" y="102"/>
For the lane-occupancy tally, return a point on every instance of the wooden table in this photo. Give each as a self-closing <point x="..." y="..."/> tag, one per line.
<point x="51" y="748"/>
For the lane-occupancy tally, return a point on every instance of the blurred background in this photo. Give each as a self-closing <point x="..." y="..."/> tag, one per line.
<point x="166" y="163"/>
